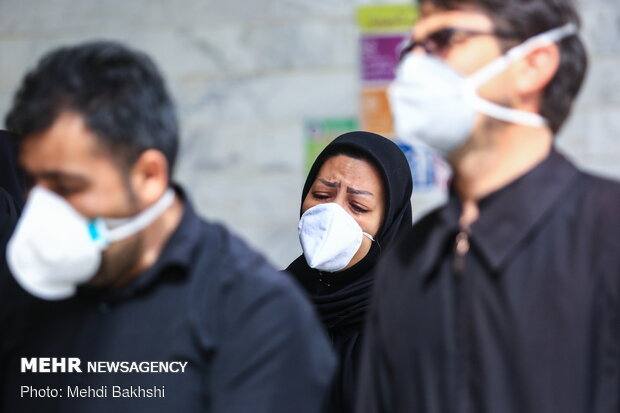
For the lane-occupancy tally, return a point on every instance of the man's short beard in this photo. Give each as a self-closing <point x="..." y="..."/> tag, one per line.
<point x="119" y="264"/>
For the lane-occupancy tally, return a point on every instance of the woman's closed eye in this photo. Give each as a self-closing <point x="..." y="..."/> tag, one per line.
<point x="358" y="208"/>
<point x="321" y="195"/>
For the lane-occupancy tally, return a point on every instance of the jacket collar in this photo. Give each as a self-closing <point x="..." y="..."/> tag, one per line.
<point x="177" y="253"/>
<point x="508" y="216"/>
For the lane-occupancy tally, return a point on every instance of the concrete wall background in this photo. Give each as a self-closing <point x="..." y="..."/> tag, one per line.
<point x="246" y="74"/>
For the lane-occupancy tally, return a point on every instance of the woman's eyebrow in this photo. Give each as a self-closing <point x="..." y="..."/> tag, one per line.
<point x="349" y="189"/>
<point x="330" y="184"/>
<point x="358" y="191"/>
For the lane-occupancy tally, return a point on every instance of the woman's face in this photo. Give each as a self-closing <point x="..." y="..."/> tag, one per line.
<point x="356" y="186"/>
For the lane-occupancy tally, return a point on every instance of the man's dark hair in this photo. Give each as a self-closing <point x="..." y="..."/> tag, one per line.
<point x="526" y="18"/>
<point x="118" y="91"/>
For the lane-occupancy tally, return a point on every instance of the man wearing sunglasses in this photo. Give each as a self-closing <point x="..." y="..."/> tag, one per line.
<point x="508" y="298"/>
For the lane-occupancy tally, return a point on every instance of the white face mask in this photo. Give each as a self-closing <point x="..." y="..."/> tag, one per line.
<point x="54" y="248"/>
<point x="329" y="237"/>
<point x="434" y="104"/>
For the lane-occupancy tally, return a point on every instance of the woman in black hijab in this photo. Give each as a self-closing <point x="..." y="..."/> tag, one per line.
<point x="368" y="177"/>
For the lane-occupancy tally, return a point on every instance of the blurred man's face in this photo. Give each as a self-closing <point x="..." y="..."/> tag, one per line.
<point x="68" y="160"/>
<point x="466" y="52"/>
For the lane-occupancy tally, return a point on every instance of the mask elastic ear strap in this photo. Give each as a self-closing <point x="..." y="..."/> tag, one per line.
<point x="507" y="114"/>
<point x="367" y="235"/>
<point x="143" y="219"/>
<point x="520" y="51"/>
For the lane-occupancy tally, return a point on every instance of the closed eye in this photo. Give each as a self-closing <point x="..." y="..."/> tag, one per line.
<point x="320" y="195"/>
<point x="358" y="208"/>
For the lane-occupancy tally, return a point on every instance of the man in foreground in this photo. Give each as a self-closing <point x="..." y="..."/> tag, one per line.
<point x="123" y="299"/>
<point x="508" y="298"/>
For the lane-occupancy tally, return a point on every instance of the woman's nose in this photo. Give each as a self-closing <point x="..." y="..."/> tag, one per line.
<point x="341" y="199"/>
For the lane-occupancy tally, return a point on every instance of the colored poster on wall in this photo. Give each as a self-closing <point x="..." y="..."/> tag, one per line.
<point x="375" y="111"/>
<point x="320" y="132"/>
<point x="384" y="28"/>
<point x="386" y="18"/>
<point x="427" y="167"/>
<point x="380" y="57"/>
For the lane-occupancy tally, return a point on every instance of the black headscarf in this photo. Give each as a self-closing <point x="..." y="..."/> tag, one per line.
<point x="12" y="183"/>
<point x="343" y="297"/>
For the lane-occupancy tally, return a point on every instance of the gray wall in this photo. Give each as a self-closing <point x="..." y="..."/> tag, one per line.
<point x="246" y="74"/>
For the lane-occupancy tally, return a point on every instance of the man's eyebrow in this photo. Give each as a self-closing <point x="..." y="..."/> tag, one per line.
<point x="60" y="176"/>
<point x="358" y="191"/>
<point x="330" y="184"/>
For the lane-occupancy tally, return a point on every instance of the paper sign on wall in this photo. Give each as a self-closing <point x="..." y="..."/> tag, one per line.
<point x="384" y="29"/>
<point x="320" y="132"/>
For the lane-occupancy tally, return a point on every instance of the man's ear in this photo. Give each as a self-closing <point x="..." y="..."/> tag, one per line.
<point x="537" y="69"/>
<point x="149" y="177"/>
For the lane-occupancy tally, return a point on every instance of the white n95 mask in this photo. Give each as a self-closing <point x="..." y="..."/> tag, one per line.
<point x="434" y="104"/>
<point x="329" y="237"/>
<point x="54" y="248"/>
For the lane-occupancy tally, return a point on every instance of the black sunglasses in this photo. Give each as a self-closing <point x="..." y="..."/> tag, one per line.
<point x="438" y="41"/>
